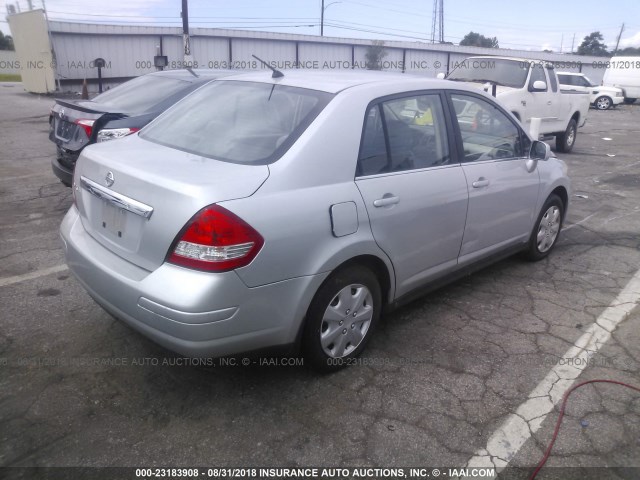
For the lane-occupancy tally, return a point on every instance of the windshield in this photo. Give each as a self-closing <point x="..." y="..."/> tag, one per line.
<point x="510" y="73"/>
<point x="239" y="122"/>
<point x="141" y="94"/>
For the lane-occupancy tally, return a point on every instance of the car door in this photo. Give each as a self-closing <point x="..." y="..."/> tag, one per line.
<point x="413" y="186"/>
<point x="540" y="103"/>
<point x="502" y="191"/>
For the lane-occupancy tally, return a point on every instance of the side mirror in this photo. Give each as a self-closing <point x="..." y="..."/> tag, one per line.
<point x="539" y="86"/>
<point x="539" y="151"/>
<point x="440" y="76"/>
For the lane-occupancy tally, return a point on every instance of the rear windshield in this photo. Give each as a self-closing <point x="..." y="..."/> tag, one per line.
<point x="239" y="122"/>
<point x="141" y="94"/>
<point x="510" y="73"/>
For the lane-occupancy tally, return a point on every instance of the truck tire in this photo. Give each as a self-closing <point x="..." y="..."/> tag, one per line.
<point x="567" y="139"/>
<point x="629" y="101"/>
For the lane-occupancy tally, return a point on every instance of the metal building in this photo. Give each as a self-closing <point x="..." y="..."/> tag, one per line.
<point x="129" y="51"/>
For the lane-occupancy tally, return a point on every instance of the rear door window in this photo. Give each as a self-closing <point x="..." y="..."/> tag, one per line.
<point x="402" y="134"/>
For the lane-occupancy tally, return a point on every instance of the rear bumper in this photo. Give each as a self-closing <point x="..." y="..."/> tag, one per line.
<point x="194" y="313"/>
<point x="63" y="173"/>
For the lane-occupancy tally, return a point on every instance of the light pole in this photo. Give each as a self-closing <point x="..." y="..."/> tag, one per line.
<point x="322" y="16"/>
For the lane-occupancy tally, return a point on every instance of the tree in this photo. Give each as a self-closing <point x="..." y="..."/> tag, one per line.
<point x="593" y="44"/>
<point x="473" y="39"/>
<point x="6" y="42"/>
<point x="629" y="52"/>
<point x="375" y="53"/>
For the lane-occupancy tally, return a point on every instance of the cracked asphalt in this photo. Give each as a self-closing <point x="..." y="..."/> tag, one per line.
<point x="78" y="388"/>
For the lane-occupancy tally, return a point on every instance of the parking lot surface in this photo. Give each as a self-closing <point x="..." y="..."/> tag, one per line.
<point x="436" y="386"/>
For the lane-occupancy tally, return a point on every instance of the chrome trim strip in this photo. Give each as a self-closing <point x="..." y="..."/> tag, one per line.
<point x="116" y="199"/>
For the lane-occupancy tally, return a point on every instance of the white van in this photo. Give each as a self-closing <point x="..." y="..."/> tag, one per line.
<point x="624" y="72"/>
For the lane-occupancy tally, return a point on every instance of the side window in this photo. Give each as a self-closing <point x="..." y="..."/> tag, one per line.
<point x="487" y="133"/>
<point x="415" y="131"/>
<point x="373" y="157"/>
<point x="552" y="79"/>
<point x="537" y="73"/>
<point x="583" y="82"/>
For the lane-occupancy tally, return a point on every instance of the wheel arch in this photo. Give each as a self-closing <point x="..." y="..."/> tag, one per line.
<point x="561" y="192"/>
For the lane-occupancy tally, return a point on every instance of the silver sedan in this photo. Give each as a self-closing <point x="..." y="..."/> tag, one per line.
<point x="262" y="212"/>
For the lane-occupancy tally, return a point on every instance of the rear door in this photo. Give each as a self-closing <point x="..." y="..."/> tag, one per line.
<point x="413" y="187"/>
<point x="502" y="192"/>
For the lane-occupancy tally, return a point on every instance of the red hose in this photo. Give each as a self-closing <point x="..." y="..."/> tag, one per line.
<point x="559" y="421"/>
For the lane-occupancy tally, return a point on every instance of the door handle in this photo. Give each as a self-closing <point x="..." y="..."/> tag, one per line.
<point x="549" y="102"/>
<point x="481" y="182"/>
<point x="386" y="200"/>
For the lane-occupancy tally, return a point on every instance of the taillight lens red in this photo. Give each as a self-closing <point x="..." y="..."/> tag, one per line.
<point x="216" y="240"/>
<point x="87" y="126"/>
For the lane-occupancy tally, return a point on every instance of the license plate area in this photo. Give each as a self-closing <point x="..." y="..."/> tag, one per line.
<point x="63" y="129"/>
<point x="114" y="220"/>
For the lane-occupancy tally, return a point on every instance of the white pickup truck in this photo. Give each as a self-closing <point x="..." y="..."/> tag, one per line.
<point x="528" y="88"/>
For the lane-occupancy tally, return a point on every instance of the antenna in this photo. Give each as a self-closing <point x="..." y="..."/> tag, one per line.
<point x="275" y="74"/>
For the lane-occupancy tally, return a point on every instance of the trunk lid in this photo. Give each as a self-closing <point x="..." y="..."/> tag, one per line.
<point x="64" y="127"/>
<point x="135" y="196"/>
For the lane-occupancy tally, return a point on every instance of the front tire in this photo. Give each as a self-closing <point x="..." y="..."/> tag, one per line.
<point x="547" y="228"/>
<point x="603" y="103"/>
<point x="566" y="140"/>
<point x="341" y="318"/>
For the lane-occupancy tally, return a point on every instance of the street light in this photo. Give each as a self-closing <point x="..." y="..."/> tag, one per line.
<point x="322" y="16"/>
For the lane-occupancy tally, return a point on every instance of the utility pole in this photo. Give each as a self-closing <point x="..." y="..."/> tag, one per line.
<point x="324" y="7"/>
<point x="572" y="42"/>
<point x="618" y="40"/>
<point x="30" y="3"/>
<point x="185" y="32"/>
<point x="561" y="42"/>
<point x="437" y="22"/>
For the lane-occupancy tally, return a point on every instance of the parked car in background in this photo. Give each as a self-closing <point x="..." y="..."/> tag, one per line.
<point x="528" y="88"/>
<point x="74" y="124"/>
<point x="624" y="73"/>
<point x="296" y="209"/>
<point x="600" y="97"/>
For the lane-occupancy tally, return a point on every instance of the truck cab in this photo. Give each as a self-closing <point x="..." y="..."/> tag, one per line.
<point x="528" y="89"/>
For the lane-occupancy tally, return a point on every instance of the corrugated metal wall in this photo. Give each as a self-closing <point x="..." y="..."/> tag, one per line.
<point x="129" y="51"/>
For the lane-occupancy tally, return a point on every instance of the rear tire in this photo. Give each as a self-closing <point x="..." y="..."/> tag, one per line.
<point x="341" y="318"/>
<point x="566" y="140"/>
<point x="547" y="228"/>
<point x="603" y="103"/>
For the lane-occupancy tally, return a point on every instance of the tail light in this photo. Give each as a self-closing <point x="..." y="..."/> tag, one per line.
<point x="87" y="126"/>
<point x="107" y="134"/>
<point x="215" y="240"/>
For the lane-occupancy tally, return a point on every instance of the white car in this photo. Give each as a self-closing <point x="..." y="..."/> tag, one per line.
<point x="601" y="97"/>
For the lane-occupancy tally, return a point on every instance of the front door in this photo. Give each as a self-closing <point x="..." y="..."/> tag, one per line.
<point x="502" y="192"/>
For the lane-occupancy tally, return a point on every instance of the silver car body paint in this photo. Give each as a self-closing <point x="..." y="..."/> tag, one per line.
<point x="290" y="202"/>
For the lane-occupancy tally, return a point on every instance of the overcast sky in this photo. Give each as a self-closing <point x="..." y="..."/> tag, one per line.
<point x="531" y="25"/>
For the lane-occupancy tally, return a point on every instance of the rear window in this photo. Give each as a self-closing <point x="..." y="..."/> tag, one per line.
<point x="239" y="122"/>
<point x="141" y="94"/>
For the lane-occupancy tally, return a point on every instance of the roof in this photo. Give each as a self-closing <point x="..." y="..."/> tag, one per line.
<point x="200" y="74"/>
<point x="333" y="81"/>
